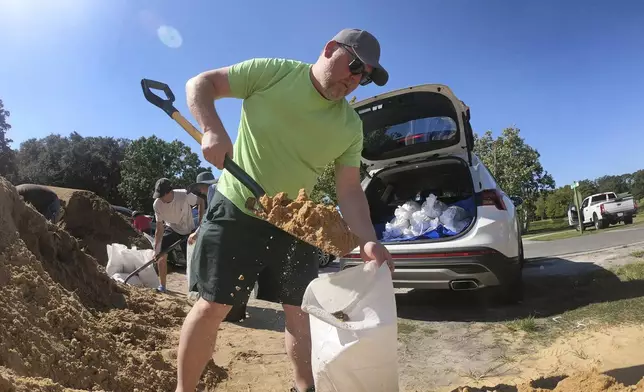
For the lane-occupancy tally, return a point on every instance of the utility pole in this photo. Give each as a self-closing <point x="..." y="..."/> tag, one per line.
<point x="577" y="199"/>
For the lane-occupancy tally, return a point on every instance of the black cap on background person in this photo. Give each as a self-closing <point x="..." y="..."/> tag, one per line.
<point x="162" y="187"/>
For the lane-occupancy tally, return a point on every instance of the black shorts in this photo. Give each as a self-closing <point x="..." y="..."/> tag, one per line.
<point x="170" y="237"/>
<point x="234" y="250"/>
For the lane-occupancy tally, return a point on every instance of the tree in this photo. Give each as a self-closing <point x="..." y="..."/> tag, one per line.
<point x="7" y="155"/>
<point x="557" y="202"/>
<point x="516" y="168"/>
<point x="637" y="188"/>
<point x="88" y="163"/>
<point x="148" y="159"/>
<point x="587" y="188"/>
<point x="540" y="207"/>
<point x="617" y="184"/>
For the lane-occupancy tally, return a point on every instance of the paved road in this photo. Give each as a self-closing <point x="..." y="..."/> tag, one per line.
<point x="585" y="243"/>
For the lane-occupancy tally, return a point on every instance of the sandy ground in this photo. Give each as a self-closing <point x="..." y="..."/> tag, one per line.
<point x="447" y="340"/>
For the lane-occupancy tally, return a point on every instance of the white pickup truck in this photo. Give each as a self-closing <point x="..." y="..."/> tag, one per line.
<point x="604" y="209"/>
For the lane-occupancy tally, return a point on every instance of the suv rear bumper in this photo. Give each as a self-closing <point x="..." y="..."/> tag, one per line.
<point x="457" y="270"/>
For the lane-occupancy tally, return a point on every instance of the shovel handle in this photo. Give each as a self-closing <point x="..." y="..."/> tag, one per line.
<point x="166" y="106"/>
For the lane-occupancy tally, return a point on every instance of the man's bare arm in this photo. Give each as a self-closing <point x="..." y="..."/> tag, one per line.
<point x="201" y="92"/>
<point x="353" y="203"/>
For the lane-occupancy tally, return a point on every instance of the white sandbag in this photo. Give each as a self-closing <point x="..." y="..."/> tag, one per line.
<point x="404" y="211"/>
<point x="395" y="228"/>
<point x="421" y="223"/>
<point x="358" y="351"/>
<point x="455" y="219"/>
<point x="193" y="295"/>
<point x="432" y="207"/>
<point x="123" y="260"/>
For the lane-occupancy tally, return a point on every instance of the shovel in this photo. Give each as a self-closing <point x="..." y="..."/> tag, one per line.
<point x="167" y="106"/>
<point x="154" y="259"/>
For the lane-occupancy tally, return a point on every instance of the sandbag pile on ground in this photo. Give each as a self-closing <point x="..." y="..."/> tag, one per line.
<point x="580" y="382"/>
<point x="66" y="325"/>
<point x="91" y="219"/>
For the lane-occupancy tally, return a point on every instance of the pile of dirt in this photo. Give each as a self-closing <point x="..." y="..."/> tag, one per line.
<point x="90" y="218"/>
<point x="65" y="324"/>
<point x="579" y="382"/>
<point x="318" y="224"/>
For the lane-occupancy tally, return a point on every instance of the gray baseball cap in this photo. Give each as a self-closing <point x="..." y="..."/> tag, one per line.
<point x="367" y="48"/>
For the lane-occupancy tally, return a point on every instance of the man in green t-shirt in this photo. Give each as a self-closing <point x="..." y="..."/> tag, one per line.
<point x="295" y="120"/>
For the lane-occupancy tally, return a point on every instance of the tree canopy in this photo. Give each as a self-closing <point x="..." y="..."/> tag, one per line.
<point x="149" y="158"/>
<point x="7" y="155"/>
<point x="516" y="167"/>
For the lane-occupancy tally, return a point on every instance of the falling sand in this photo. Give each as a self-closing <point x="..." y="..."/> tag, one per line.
<point x="319" y="225"/>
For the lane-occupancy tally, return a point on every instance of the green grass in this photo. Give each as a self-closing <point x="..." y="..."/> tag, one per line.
<point x="600" y="298"/>
<point x="638" y="254"/>
<point x="406" y="328"/>
<point x="547" y="226"/>
<point x="528" y="324"/>
<point x="589" y="231"/>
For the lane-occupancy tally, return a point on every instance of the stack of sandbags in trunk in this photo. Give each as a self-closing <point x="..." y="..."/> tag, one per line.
<point x="413" y="220"/>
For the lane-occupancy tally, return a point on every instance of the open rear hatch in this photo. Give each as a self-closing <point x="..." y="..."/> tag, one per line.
<point x="417" y="146"/>
<point x="414" y="123"/>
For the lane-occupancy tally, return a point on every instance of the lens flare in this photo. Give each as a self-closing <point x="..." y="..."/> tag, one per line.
<point x="169" y="36"/>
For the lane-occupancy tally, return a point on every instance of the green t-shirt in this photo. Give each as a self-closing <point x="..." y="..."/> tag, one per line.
<point x="288" y="132"/>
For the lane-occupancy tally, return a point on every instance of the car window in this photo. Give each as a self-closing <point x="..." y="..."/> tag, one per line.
<point x="439" y="131"/>
<point x="585" y="203"/>
<point x="611" y="196"/>
<point x="598" y="199"/>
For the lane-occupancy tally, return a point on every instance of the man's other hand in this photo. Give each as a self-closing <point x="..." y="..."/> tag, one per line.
<point x="378" y="252"/>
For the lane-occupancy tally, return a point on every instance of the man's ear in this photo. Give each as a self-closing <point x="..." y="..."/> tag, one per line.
<point x="330" y="48"/>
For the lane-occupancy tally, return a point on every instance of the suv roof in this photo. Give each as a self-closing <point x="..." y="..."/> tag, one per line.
<point x="414" y="123"/>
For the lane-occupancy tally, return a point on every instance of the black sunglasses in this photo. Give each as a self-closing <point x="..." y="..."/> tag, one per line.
<point x="357" y="67"/>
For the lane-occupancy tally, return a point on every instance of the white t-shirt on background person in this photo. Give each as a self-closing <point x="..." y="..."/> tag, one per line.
<point x="178" y="213"/>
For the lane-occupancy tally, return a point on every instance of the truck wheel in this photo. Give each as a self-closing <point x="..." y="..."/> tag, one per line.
<point x="628" y="220"/>
<point x="598" y="225"/>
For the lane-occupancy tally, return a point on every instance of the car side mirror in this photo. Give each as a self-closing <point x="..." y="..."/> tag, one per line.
<point x="517" y="200"/>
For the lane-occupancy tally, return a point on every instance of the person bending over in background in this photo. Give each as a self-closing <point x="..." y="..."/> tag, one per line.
<point x="173" y="211"/>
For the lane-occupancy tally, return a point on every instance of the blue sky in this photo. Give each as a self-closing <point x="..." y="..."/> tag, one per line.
<point x="569" y="74"/>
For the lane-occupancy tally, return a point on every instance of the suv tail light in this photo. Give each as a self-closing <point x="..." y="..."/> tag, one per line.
<point x="491" y="197"/>
<point x="601" y="209"/>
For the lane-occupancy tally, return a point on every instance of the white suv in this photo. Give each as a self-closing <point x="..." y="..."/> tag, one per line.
<point x="418" y="142"/>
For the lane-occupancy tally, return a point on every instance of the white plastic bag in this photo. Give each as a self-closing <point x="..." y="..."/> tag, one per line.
<point x="432" y="207"/>
<point x="122" y="261"/>
<point x="406" y="210"/>
<point x="421" y="223"/>
<point x="455" y="219"/>
<point x="395" y="228"/>
<point x="193" y="295"/>
<point x="356" y="350"/>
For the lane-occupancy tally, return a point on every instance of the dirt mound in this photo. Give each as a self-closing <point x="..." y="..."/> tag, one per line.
<point x="317" y="224"/>
<point x="579" y="382"/>
<point x="90" y="218"/>
<point x="65" y="324"/>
